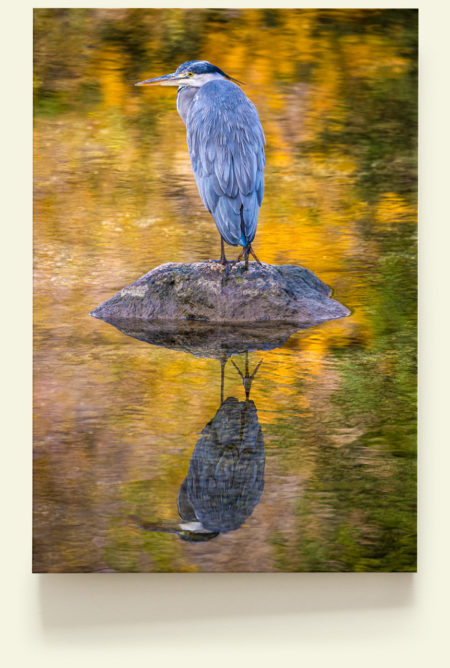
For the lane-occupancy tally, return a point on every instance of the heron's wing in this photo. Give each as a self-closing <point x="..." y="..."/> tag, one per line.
<point x="226" y="146"/>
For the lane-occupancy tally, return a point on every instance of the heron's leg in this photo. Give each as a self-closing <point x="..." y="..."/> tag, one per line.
<point x="252" y="252"/>
<point x="246" y="257"/>
<point x="226" y="263"/>
<point x="223" y="259"/>
<point x="244" y="252"/>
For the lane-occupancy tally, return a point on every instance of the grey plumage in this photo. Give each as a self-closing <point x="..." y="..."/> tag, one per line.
<point x="226" y="147"/>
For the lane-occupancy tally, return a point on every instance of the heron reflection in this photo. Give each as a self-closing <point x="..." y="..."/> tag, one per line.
<point x="225" y="479"/>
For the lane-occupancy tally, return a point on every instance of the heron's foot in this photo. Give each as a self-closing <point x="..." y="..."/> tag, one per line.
<point x="227" y="264"/>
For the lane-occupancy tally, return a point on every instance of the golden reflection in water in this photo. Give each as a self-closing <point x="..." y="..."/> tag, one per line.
<point x="115" y="197"/>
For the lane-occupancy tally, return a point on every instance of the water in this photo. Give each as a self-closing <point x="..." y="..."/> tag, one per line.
<point x="316" y="469"/>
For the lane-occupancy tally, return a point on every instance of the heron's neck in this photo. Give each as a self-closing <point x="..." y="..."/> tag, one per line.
<point x="185" y="96"/>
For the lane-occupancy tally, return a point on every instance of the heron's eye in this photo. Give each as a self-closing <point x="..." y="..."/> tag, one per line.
<point x="190" y="74"/>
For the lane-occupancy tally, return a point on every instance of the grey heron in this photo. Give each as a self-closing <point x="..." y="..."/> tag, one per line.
<point x="226" y="146"/>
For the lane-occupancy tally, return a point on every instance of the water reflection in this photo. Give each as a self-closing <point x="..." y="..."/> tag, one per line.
<point x="225" y="480"/>
<point x="206" y="340"/>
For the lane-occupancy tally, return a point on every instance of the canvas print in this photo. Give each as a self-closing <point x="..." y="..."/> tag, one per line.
<point x="225" y="217"/>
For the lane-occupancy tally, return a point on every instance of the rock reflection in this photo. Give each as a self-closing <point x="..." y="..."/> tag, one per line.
<point x="203" y="339"/>
<point x="225" y="480"/>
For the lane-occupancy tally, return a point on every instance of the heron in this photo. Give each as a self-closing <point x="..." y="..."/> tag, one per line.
<point x="226" y="146"/>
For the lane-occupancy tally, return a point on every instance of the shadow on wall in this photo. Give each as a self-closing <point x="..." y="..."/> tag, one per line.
<point x="175" y="601"/>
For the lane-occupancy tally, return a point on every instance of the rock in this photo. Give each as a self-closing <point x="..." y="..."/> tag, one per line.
<point x="202" y="292"/>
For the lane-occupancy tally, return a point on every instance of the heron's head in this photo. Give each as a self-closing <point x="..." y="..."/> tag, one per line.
<point x="193" y="73"/>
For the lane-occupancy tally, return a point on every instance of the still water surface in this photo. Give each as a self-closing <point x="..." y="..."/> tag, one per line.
<point x="312" y="444"/>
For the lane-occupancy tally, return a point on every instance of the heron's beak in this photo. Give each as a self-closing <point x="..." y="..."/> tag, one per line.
<point x="166" y="80"/>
